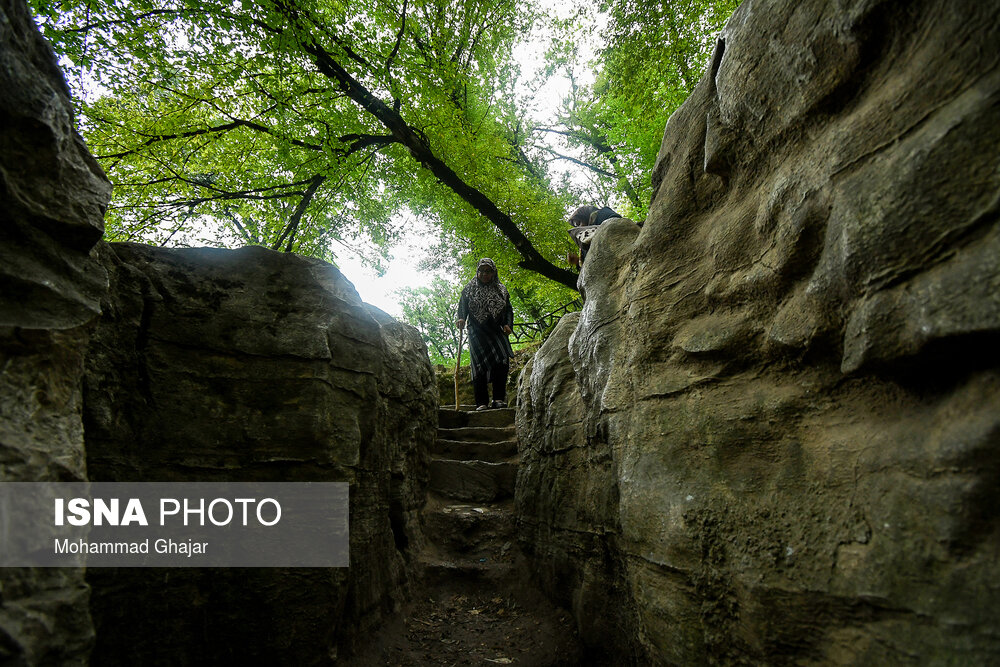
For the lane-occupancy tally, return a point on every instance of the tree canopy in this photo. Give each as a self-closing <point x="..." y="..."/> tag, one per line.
<point x="432" y="311"/>
<point x="651" y="56"/>
<point x="313" y="125"/>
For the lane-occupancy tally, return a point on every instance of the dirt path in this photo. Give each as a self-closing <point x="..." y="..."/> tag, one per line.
<point x="475" y="605"/>
<point x="475" y="623"/>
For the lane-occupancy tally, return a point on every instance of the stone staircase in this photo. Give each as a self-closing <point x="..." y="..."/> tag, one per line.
<point x="469" y="516"/>
<point x="476" y="604"/>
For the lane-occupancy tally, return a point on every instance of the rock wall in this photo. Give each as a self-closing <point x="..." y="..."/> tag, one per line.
<point x="52" y="201"/>
<point x="122" y="362"/>
<point x="254" y="365"/>
<point x="776" y="423"/>
<point x="566" y="499"/>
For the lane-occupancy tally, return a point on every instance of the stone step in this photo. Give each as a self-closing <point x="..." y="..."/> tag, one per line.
<point x="460" y="450"/>
<point x="448" y="570"/>
<point x="479" y="433"/>
<point x="487" y="418"/>
<point x="476" y="481"/>
<point x="469" y="408"/>
<point x="485" y="530"/>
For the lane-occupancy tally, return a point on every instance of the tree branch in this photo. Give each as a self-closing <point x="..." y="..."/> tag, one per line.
<point x="361" y="141"/>
<point x="599" y="142"/>
<point x="592" y="167"/>
<point x="399" y="40"/>
<point x="209" y="130"/>
<point x="243" y="232"/>
<point x="130" y="20"/>
<point x="225" y="196"/>
<point x="293" y="222"/>
<point x="623" y="180"/>
<point x="566" y="133"/>
<point x="420" y="149"/>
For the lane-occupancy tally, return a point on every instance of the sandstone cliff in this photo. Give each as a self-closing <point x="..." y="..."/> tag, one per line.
<point x="122" y="362"/>
<point x="254" y="365"/>
<point x="774" y="428"/>
<point x="52" y="201"/>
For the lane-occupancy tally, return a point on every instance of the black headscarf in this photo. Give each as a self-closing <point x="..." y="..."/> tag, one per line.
<point x="486" y="301"/>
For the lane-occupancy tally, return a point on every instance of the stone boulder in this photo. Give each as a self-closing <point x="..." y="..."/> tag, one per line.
<point x="254" y="365"/>
<point x="566" y="499"/>
<point x="785" y="385"/>
<point x="128" y="363"/>
<point x="52" y="201"/>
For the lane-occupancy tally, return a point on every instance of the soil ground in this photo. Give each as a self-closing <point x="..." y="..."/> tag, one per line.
<point x="470" y="622"/>
<point x="475" y="604"/>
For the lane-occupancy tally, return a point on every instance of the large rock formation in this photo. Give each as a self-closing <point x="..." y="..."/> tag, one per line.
<point x="253" y="365"/>
<point x="52" y="200"/>
<point x="128" y="363"/>
<point x="566" y="500"/>
<point x="779" y="412"/>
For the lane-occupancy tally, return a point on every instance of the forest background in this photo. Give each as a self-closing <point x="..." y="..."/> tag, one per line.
<point x="332" y="128"/>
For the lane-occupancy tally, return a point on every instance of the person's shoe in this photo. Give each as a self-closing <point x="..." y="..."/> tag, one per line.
<point x="499" y="404"/>
<point x="480" y="408"/>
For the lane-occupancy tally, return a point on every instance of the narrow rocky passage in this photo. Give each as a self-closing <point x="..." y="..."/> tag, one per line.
<point x="476" y="604"/>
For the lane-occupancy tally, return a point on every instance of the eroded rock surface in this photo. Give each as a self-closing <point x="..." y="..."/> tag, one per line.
<point x="566" y="501"/>
<point x="130" y="363"/>
<point x="778" y="417"/>
<point x="52" y="200"/>
<point x="253" y="365"/>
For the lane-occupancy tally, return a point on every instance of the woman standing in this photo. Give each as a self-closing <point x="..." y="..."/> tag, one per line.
<point x="485" y="304"/>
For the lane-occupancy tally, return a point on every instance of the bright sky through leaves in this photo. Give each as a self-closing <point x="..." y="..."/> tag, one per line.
<point x="404" y="269"/>
<point x="321" y="127"/>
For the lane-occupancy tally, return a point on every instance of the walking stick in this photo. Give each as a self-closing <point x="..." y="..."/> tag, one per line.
<point x="458" y="363"/>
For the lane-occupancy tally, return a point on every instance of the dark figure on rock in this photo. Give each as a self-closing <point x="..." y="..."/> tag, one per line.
<point x="485" y="305"/>
<point x="585" y="221"/>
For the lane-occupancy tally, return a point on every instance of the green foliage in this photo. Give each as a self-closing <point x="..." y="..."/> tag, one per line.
<point x="212" y="120"/>
<point x="432" y="310"/>
<point x="656" y="54"/>
<point x="652" y="55"/>
<point x="218" y="123"/>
